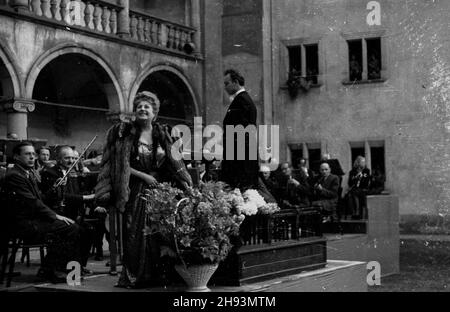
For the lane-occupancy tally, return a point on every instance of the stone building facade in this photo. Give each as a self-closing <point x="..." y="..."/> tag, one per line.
<point x="69" y="68"/>
<point x="397" y="116"/>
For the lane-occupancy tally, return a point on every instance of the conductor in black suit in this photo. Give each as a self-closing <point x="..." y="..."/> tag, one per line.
<point x="241" y="112"/>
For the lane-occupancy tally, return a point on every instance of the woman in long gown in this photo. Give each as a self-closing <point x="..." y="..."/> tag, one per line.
<point x="138" y="156"/>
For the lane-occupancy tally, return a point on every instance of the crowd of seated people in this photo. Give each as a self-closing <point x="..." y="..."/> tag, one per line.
<point x="44" y="205"/>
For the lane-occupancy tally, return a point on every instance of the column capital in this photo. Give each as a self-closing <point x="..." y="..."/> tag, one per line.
<point x="116" y="117"/>
<point x="14" y="105"/>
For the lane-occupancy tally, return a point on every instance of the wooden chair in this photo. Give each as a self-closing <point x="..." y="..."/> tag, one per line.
<point x="14" y="244"/>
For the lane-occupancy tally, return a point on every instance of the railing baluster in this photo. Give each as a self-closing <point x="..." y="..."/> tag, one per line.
<point x="133" y="27"/>
<point x="64" y="10"/>
<point x="140" y="29"/>
<point x="113" y="21"/>
<point x="97" y="17"/>
<point x="105" y="19"/>
<point x="155" y="36"/>
<point x="45" y="7"/>
<point x="160" y="34"/>
<point x="88" y="15"/>
<point x="36" y="7"/>
<point x="147" y="33"/>
<point x="54" y="9"/>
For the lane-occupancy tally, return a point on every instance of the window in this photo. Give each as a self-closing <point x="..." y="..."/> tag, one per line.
<point x="364" y="57"/>
<point x="310" y="151"/>
<point x="355" y="59"/>
<point x="312" y="62"/>
<point x="373" y="58"/>
<point x="295" y="59"/>
<point x="304" y="61"/>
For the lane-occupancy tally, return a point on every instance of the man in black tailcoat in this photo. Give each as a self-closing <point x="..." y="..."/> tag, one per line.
<point x="241" y="112"/>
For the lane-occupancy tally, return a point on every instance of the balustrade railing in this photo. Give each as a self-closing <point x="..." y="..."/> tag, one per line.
<point x="104" y="17"/>
<point x="95" y="15"/>
<point x="285" y="225"/>
<point x="155" y="31"/>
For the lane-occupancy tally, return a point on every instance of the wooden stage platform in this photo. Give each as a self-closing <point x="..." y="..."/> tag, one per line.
<point x="336" y="276"/>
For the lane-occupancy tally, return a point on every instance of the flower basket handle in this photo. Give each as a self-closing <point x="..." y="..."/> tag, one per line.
<point x="175" y="236"/>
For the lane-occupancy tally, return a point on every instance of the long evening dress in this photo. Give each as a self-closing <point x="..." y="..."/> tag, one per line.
<point x="141" y="253"/>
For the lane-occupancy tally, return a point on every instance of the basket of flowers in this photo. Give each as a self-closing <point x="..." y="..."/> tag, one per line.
<point x="196" y="226"/>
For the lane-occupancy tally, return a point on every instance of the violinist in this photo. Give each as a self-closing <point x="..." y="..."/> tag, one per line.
<point x="359" y="183"/>
<point x="67" y="199"/>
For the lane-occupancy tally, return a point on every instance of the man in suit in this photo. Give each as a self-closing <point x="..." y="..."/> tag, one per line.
<point x="67" y="200"/>
<point x="326" y="193"/>
<point x="29" y="217"/>
<point x="293" y="190"/>
<point x="241" y="112"/>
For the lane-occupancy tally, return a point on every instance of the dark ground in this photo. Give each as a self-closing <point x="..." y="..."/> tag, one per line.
<point x="424" y="267"/>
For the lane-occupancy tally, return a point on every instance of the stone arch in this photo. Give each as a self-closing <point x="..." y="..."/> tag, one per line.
<point x="159" y="68"/>
<point x="11" y="65"/>
<point x="115" y="104"/>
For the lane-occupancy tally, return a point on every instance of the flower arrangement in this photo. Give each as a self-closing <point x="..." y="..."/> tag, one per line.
<point x="197" y="225"/>
<point x="254" y="203"/>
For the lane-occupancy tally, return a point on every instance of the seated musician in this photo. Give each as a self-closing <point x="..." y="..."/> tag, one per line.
<point x="326" y="193"/>
<point x="266" y="185"/>
<point x="359" y="181"/>
<point x="28" y="217"/>
<point x="67" y="199"/>
<point x="293" y="191"/>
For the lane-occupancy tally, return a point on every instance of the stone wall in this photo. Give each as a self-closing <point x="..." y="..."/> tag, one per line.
<point x="408" y="111"/>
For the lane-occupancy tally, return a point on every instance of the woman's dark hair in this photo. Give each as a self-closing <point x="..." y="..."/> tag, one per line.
<point x="235" y="76"/>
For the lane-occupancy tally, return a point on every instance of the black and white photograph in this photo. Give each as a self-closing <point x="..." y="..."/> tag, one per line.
<point x="236" y="147"/>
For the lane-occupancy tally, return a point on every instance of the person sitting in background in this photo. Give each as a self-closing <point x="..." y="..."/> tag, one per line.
<point x="326" y="193"/>
<point x="266" y="186"/>
<point x="67" y="199"/>
<point x="359" y="180"/>
<point x="302" y="165"/>
<point x="31" y="219"/>
<point x="377" y="182"/>
<point x="293" y="191"/>
<point x="43" y="159"/>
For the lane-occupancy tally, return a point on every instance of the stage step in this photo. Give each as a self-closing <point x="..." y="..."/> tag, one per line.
<point x="346" y="227"/>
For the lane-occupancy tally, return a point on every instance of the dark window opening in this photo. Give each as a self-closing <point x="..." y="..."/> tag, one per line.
<point x="314" y="158"/>
<point x="377" y="159"/>
<point x="378" y="169"/>
<point x="357" y="151"/>
<point x="355" y="59"/>
<point x="373" y="58"/>
<point x="295" y="60"/>
<point x="312" y="62"/>
<point x="296" y="155"/>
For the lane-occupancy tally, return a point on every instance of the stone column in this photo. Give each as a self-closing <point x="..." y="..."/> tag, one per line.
<point x="196" y="23"/>
<point x="19" y="5"/>
<point x="123" y="19"/>
<point x="17" y="117"/>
